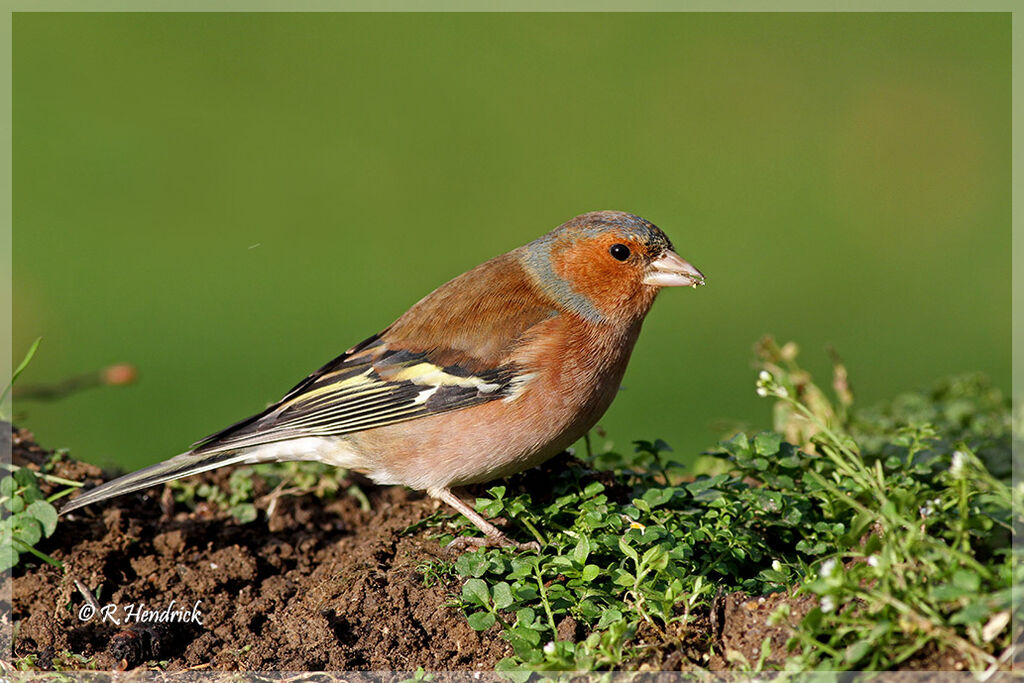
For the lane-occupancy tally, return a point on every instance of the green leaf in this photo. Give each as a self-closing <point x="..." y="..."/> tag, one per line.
<point x="27" y="529"/>
<point x="655" y="557"/>
<point x="658" y="496"/>
<point x="767" y="443"/>
<point x="627" y="550"/>
<point x="525" y="616"/>
<point x="581" y="551"/>
<point x="948" y="592"/>
<point x="976" y="612"/>
<point x="15" y="504"/>
<point x="481" y="621"/>
<point x="243" y="512"/>
<point x="7" y="486"/>
<point x="968" y="581"/>
<point x="810" y="548"/>
<point x="624" y="578"/>
<point x="21" y="367"/>
<point x="473" y="564"/>
<point x="45" y="514"/>
<point x="589" y="609"/>
<point x="610" y="617"/>
<point x="590" y="572"/>
<point x="812" y="621"/>
<point x="8" y="557"/>
<point x="531" y="636"/>
<point x="737" y="444"/>
<point x="489" y="507"/>
<point x="857" y="651"/>
<point x="475" y="591"/>
<point x="502" y="595"/>
<point x="24" y="476"/>
<point x="702" y="483"/>
<point x="524" y="641"/>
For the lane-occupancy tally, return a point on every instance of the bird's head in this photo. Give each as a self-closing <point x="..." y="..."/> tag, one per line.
<point x="607" y="266"/>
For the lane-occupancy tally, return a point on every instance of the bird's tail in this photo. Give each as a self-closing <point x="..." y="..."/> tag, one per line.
<point x="179" y="466"/>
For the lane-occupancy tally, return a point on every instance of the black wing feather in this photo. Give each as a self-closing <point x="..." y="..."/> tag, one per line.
<point x="368" y="386"/>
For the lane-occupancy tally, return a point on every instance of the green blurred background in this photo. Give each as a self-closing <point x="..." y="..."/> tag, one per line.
<point x="229" y="200"/>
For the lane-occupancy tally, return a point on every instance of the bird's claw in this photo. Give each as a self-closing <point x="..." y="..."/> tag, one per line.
<point x="463" y="543"/>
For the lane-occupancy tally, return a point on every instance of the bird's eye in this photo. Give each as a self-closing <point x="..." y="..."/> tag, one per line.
<point x="619" y="252"/>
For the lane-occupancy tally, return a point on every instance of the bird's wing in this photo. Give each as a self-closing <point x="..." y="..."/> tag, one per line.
<point x="370" y="386"/>
<point x="449" y="351"/>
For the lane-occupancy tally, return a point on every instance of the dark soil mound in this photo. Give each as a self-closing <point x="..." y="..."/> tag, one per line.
<point x="319" y="587"/>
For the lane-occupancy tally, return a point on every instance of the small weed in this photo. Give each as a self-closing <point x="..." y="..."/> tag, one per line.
<point x="26" y="663"/>
<point x="435" y="572"/>
<point x="4" y="415"/>
<point x="69" y="661"/>
<point x="284" y="479"/>
<point x="26" y="515"/>
<point x="919" y="548"/>
<point x="418" y="676"/>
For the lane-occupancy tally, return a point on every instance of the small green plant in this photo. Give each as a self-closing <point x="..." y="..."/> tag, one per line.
<point x="284" y="479"/>
<point x="435" y="572"/>
<point x="920" y="550"/>
<point x="647" y="556"/>
<point x="4" y="415"/>
<point x="26" y="663"/>
<point x="418" y="676"/>
<point x="27" y="516"/>
<point x="238" y="499"/>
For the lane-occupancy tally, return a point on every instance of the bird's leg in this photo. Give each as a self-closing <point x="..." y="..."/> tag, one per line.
<point x="493" y="535"/>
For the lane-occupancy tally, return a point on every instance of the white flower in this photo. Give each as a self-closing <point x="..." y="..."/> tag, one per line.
<point x="956" y="467"/>
<point x="765" y="376"/>
<point x="781" y="392"/>
<point x="776" y="565"/>
<point x="827" y="604"/>
<point x="828" y="567"/>
<point x="873" y="561"/>
<point x="929" y="507"/>
<point x="549" y="649"/>
<point x="762" y="392"/>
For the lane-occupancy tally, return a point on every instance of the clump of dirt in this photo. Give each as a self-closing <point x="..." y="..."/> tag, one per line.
<point x="741" y="623"/>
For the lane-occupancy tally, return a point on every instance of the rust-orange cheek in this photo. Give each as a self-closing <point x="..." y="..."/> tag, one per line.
<point x="587" y="268"/>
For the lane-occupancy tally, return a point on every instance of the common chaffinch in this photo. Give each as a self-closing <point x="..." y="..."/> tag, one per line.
<point x="491" y="373"/>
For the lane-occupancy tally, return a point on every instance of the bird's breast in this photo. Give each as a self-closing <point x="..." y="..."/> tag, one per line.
<point x="569" y="374"/>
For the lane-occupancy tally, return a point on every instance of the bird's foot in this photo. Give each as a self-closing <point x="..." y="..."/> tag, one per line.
<point x="493" y="538"/>
<point x="463" y="543"/>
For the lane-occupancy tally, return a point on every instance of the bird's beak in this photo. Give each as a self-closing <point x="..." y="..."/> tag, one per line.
<point x="670" y="270"/>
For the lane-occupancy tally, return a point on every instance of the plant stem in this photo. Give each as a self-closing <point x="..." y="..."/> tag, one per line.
<point x="544" y="601"/>
<point x="23" y="547"/>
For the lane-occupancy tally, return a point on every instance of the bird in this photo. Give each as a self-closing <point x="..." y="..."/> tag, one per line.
<point x="492" y="373"/>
